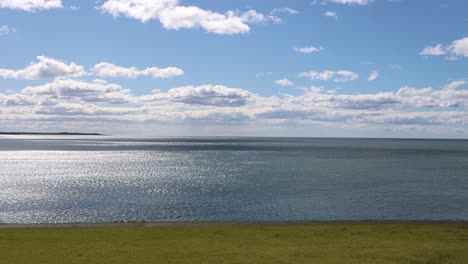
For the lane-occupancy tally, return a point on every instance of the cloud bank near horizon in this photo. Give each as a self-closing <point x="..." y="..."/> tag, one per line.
<point x="73" y="100"/>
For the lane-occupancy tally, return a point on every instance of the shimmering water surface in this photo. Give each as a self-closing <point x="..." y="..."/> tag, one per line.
<point x="63" y="179"/>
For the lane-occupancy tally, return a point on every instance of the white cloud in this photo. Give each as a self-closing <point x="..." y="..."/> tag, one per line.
<point x="66" y="110"/>
<point x="74" y="101"/>
<point x="336" y="76"/>
<point x="434" y="51"/>
<point x="98" y="91"/>
<point x="284" y="82"/>
<point x="143" y="10"/>
<point x="330" y="14"/>
<point x="172" y="15"/>
<point x="16" y="100"/>
<point x="44" y="68"/>
<point x="31" y="5"/>
<point x="285" y="10"/>
<point x="5" y="29"/>
<point x="457" y="49"/>
<point x="215" y="95"/>
<point x="105" y="69"/>
<point x="455" y="84"/>
<point x="449" y="96"/>
<point x="373" y="76"/>
<point x="52" y="68"/>
<point x="308" y="49"/>
<point x="253" y="17"/>
<point x="352" y="2"/>
<point x="263" y="74"/>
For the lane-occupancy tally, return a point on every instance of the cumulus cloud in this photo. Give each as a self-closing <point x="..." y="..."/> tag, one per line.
<point x="44" y="68"/>
<point x="105" y="69"/>
<point x="5" y="29"/>
<point x="449" y="96"/>
<point x="66" y="109"/>
<point x="457" y="49"/>
<point x="16" y="100"/>
<point x="99" y="101"/>
<point x="97" y="91"/>
<point x="52" y="68"/>
<point x="336" y="76"/>
<point x="330" y="14"/>
<point x="376" y="108"/>
<point x="284" y="82"/>
<point x="215" y="95"/>
<point x="455" y="84"/>
<point x="373" y="76"/>
<point x="326" y="101"/>
<point x="172" y="15"/>
<point x="351" y="2"/>
<point x="308" y="49"/>
<point x="434" y="51"/>
<point x="31" y="5"/>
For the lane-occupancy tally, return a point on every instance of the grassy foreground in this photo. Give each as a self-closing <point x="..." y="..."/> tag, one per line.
<point x="360" y="244"/>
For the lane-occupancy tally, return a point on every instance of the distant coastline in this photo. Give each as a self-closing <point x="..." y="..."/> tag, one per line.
<point x="52" y="134"/>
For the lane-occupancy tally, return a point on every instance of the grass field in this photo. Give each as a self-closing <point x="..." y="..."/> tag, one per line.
<point x="343" y="244"/>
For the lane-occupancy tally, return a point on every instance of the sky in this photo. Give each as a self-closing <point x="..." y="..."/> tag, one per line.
<point x="326" y="68"/>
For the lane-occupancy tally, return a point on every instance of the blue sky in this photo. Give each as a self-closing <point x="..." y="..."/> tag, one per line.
<point x="272" y="68"/>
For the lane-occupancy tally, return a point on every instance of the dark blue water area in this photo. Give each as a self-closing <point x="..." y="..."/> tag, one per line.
<point x="101" y="179"/>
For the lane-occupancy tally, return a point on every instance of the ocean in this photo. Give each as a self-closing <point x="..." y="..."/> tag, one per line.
<point x="47" y="179"/>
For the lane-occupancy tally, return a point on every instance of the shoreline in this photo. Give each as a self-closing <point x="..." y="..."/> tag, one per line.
<point x="232" y="223"/>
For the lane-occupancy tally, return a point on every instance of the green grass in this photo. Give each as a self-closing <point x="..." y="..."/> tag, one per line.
<point x="341" y="244"/>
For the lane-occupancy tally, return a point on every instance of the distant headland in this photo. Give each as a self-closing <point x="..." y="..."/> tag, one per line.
<point x="52" y="134"/>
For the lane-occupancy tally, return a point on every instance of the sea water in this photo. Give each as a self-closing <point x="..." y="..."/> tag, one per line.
<point x="103" y="179"/>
